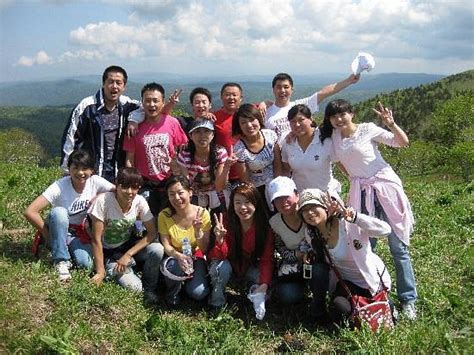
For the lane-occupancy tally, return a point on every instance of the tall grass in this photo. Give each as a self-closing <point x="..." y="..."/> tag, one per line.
<point x="38" y="314"/>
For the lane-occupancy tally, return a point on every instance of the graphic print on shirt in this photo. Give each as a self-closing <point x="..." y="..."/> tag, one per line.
<point x="281" y="125"/>
<point x="118" y="231"/>
<point x="157" y="152"/>
<point x="78" y="206"/>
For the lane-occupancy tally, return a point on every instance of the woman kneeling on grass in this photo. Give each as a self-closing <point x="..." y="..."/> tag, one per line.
<point x="184" y="230"/>
<point x="247" y="243"/>
<point x="64" y="229"/>
<point x="345" y="234"/>
<point x="113" y="218"/>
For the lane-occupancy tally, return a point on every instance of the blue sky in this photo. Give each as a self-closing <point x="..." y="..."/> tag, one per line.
<point x="60" y="38"/>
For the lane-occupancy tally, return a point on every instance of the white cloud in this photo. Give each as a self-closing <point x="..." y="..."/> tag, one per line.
<point x="275" y="31"/>
<point x="40" y="58"/>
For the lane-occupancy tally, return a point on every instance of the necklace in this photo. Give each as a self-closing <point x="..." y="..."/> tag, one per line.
<point x="201" y="159"/>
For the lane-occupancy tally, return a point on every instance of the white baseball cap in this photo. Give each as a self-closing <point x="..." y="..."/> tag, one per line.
<point x="200" y="123"/>
<point x="280" y="186"/>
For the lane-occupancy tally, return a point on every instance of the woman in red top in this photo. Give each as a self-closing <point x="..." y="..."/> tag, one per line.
<point x="247" y="244"/>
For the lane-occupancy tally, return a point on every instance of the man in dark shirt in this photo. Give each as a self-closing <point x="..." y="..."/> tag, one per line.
<point x="98" y="124"/>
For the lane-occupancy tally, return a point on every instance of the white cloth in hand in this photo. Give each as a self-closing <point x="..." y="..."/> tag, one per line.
<point x="363" y="61"/>
<point x="258" y="300"/>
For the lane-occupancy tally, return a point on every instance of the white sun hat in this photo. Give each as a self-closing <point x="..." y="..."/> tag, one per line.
<point x="363" y="61"/>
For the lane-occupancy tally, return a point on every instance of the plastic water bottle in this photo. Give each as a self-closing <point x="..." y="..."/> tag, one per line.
<point x="188" y="251"/>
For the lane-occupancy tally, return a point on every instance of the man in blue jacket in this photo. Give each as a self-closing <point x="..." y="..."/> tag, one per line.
<point x="98" y="124"/>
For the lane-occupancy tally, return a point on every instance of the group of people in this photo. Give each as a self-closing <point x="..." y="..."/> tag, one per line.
<point x="244" y="192"/>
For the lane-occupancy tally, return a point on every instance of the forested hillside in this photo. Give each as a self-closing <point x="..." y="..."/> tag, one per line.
<point x="46" y="124"/>
<point x="413" y="107"/>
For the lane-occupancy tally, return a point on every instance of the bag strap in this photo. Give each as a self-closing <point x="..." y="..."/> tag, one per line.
<point x="381" y="280"/>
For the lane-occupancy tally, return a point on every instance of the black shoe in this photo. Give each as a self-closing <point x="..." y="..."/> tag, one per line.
<point x="150" y="297"/>
<point x="173" y="302"/>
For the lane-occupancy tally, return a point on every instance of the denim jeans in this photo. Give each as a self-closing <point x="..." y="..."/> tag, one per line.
<point x="319" y="285"/>
<point x="196" y="288"/>
<point x="151" y="258"/>
<point x="290" y="292"/>
<point x="293" y="292"/>
<point x="219" y="272"/>
<point x="406" y="285"/>
<point x="59" y="235"/>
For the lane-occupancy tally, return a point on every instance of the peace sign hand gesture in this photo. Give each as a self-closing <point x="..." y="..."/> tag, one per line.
<point x="173" y="164"/>
<point x="198" y="222"/>
<point x="174" y="98"/>
<point x="336" y="207"/>
<point x="385" y="114"/>
<point x="231" y="158"/>
<point x="219" y="228"/>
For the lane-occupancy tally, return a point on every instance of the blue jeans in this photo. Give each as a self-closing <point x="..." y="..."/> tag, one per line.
<point x="219" y="272"/>
<point x="290" y="292"/>
<point x="59" y="234"/>
<point x="196" y="288"/>
<point x="406" y="285"/>
<point x="319" y="285"/>
<point x="151" y="257"/>
<point x="293" y="292"/>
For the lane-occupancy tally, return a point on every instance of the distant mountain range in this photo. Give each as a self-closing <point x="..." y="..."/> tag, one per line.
<point x="412" y="105"/>
<point x="68" y="92"/>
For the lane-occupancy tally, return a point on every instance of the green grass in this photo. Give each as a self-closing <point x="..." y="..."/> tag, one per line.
<point x="38" y="314"/>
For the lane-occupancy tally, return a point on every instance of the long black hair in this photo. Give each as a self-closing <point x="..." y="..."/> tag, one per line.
<point x="260" y="221"/>
<point x="191" y="148"/>
<point x="333" y="108"/>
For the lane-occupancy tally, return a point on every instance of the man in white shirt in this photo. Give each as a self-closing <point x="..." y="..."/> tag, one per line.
<point x="276" y="117"/>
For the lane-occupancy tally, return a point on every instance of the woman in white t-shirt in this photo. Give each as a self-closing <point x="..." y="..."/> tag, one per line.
<point x="306" y="158"/>
<point x="64" y="229"/>
<point x="343" y="235"/>
<point x="114" y="216"/>
<point x="254" y="149"/>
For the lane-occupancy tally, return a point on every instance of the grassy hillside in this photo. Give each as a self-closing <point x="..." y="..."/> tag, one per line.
<point x="39" y="315"/>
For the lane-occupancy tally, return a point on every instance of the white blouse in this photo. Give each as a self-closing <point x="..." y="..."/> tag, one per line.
<point x="359" y="153"/>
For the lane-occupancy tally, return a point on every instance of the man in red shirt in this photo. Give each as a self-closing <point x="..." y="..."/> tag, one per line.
<point x="231" y="97"/>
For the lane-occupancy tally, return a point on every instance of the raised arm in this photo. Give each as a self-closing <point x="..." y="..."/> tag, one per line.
<point x="386" y="115"/>
<point x="277" y="161"/>
<point x="334" y="88"/>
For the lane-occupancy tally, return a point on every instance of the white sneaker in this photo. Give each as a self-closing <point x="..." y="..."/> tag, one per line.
<point x="409" y="311"/>
<point x="63" y="270"/>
